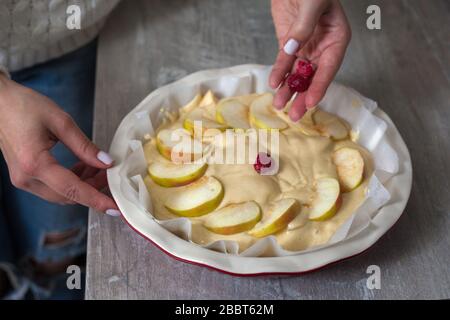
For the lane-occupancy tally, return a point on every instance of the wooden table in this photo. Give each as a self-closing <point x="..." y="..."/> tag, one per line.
<point x="404" y="66"/>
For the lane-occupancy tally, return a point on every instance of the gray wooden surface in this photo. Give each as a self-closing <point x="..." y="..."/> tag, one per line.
<point x="404" y="66"/>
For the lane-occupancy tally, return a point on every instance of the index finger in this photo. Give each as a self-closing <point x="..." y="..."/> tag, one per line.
<point x="69" y="185"/>
<point x="282" y="66"/>
<point x="66" y="130"/>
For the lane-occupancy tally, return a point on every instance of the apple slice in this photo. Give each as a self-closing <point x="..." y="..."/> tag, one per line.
<point x="350" y="168"/>
<point x="281" y="213"/>
<point x="198" y="115"/>
<point x="247" y="99"/>
<point x="329" y="125"/>
<point x="175" y="175"/>
<point x="234" y="218"/>
<point x="233" y="113"/>
<point x="307" y="129"/>
<point x="196" y="199"/>
<point x="181" y="140"/>
<point x="262" y="115"/>
<point x="191" y="104"/>
<point x="306" y="124"/>
<point x="208" y="99"/>
<point x="326" y="201"/>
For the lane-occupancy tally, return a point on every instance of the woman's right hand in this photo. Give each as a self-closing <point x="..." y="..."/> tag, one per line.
<point x="30" y="125"/>
<point x="313" y="30"/>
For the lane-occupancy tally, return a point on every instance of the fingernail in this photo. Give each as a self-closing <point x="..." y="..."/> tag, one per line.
<point x="273" y="84"/>
<point x="294" y="118"/>
<point x="277" y="104"/>
<point x="113" y="212"/>
<point x="104" y="157"/>
<point x="291" y="47"/>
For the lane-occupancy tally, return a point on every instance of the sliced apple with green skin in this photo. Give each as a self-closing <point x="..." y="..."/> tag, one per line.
<point x="167" y="140"/>
<point x="233" y="113"/>
<point x="262" y="115"/>
<point x="175" y="175"/>
<point x="326" y="201"/>
<point x="350" y="168"/>
<point x="197" y="116"/>
<point x="234" y="218"/>
<point x="329" y="125"/>
<point x="196" y="199"/>
<point x="281" y="213"/>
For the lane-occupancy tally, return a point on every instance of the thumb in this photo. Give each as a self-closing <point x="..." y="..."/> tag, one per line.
<point x="67" y="131"/>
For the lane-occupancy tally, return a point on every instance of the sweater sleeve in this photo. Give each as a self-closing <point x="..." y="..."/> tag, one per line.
<point x="4" y="71"/>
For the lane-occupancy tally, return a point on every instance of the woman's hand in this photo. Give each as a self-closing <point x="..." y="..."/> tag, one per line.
<point x="314" y="30"/>
<point x="30" y="125"/>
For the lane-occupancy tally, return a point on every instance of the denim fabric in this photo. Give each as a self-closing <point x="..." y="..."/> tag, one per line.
<point x="24" y="218"/>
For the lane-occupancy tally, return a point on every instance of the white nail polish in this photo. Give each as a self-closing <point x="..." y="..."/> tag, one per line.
<point x="113" y="212"/>
<point x="104" y="157"/>
<point x="291" y="47"/>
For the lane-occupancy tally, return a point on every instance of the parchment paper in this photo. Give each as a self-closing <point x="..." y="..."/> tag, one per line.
<point x="345" y="102"/>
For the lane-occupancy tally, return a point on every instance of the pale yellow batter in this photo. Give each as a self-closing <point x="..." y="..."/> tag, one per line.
<point x="302" y="160"/>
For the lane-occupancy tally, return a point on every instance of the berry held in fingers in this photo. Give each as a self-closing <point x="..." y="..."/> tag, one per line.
<point x="298" y="83"/>
<point x="305" y="69"/>
<point x="301" y="79"/>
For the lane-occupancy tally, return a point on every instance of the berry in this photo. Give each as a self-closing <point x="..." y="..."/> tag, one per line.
<point x="298" y="83"/>
<point x="305" y="69"/>
<point x="263" y="160"/>
<point x="301" y="79"/>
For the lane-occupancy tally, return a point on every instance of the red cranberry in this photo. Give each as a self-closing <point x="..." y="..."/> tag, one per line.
<point x="263" y="160"/>
<point x="300" y="80"/>
<point x="305" y="69"/>
<point x="298" y="83"/>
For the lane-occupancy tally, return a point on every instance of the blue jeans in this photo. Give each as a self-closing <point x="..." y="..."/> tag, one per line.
<point x="26" y="221"/>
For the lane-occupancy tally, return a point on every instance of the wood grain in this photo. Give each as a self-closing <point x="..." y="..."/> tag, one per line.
<point x="404" y="66"/>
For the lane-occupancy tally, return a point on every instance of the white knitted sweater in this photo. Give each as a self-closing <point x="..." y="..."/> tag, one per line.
<point x="33" y="31"/>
